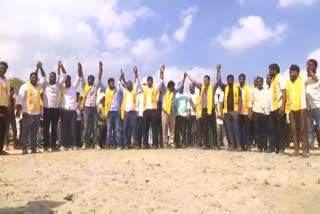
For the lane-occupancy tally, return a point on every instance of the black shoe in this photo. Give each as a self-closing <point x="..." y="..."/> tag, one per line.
<point x="25" y="152"/>
<point x="4" y="153"/>
<point x="269" y="151"/>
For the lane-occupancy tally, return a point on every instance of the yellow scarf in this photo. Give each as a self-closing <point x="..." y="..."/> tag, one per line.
<point x="108" y="100"/>
<point x="153" y="97"/>
<point x="30" y="102"/>
<point x="235" y="98"/>
<point x="62" y="93"/>
<point x="7" y="88"/>
<point x="86" y="90"/>
<point x="124" y="100"/>
<point x="168" y="101"/>
<point x="275" y="92"/>
<point x="209" y="101"/>
<point x="297" y="93"/>
<point x="219" y="110"/>
<point x="246" y="97"/>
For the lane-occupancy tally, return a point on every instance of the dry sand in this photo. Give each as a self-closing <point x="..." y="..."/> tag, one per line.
<point x="159" y="181"/>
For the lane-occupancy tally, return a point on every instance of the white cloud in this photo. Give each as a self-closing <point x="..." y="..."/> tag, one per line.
<point x="241" y="2"/>
<point x="250" y="32"/>
<point x="164" y="39"/>
<point x="117" y="40"/>
<point x="186" y="21"/>
<point x="291" y="3"/>
<point x="145" y="49"/>
<point x="315" y="55"/>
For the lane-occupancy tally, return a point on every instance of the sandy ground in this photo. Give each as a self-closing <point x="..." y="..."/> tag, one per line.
<point x="159" y="181"/>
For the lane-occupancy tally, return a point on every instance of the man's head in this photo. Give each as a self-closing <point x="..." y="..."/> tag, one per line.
<point x="181" y="90"/>
<point x="52" y="78"/>
<point x="90" y="80"/>
<point x="206" y="80"/>
<point x="34" y="78"/>
<point x="149" y="81"/>
<point x="230" y="80"/>
<point x="242" y="79"/>
<point x="192" y="88"/>
<point x="129" y="85"/>
<point x="3" y="69"/>
<point x="268" y="80"/>
<point x="111" y="83"/>
<point x="68" y="82"/>
<point x="255" y="79"/>
<point x="294" y="71"/>
<point x="274" y="69"/>
<point x="11" y="91"/>
<point x="259" y="81"/>
<point x="312" y="65"/>
<point x="170" y="86"/>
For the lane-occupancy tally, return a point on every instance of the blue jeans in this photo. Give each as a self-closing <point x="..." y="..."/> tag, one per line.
<point x="114" y="126"/>
<point x="313" y="115"/>
<point x="232" y="129"/>
<point x="90" y="126"/>
<point x="130" y="128"/>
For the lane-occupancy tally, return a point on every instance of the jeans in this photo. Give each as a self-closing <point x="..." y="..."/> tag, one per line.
<point x="313" y="116"/>
<point x="3" y="125"/>
<point x="31" y="124"/>
<point x="78" y="134"/>
<point x="180" y="131"/>
<point x="261" y="130"/>
<point x="150" y="117"/>
<point x="130" y="128"/>
<point x="299" y="125"/>
<point x="90" y="127"/>
<point x="50" y="117"/>
<point x="232" y="129"/>
<point x="191" y="130"/>
<point x="220" y="134"/>
<point x="246" y="131"/>
<point x="209" y="127"/>
<point x="277" y="126"/>
<point x="139" y="130"/>
<point x="113" y="127"/>
<point x="68" y="128"/>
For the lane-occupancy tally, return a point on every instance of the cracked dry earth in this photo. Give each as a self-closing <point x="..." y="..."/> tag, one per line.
<point x="159" y="181"/>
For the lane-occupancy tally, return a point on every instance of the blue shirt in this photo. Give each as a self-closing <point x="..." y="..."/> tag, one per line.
<point x="116" y="100"/>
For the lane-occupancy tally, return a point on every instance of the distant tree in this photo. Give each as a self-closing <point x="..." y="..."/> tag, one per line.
<point x="16" y="83"/>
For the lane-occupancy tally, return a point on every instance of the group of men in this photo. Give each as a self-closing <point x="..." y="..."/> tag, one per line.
<point x="132" y="114"/>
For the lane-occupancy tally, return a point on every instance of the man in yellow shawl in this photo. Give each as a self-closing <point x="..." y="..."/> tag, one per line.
<point x="4" y="103"/>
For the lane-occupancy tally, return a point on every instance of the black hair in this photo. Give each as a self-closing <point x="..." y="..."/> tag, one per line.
<point x="110" y="80"/>
<point x="91" y="76"/>
<point x="34" y="73"/>
<point x="230" y="76"/>
<point x="11" y="88"/>
<point x="207" y="76"/>
<point x="149" y="78"/>
<point x="170" y="84"/>
<point x="242" y="75"/>
<point x="314" y="62"/>
<point x="54" y="73"/>
<point x="274" y="66"/>
<point x="294" y="67"/>
<point x="5" y="64"/>
<point x="260" y="78"/>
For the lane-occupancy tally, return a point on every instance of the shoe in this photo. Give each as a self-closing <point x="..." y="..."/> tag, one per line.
<point x="25" y="152"/>
<point x="305" y="154"/>
<point x="46" y="150"/>
<point x="7" y="148"/>
<point x="269" y="151"/>
<point x="4" y="153"/>
<point x="34" y="152"/>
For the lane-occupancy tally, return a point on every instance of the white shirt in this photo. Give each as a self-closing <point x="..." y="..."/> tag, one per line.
<point x="281" y="86"/>
<point x="51" y="95"/>
<point x="303" y="100"/>
<point x="218" y="98"/>
<point x="4" y="83"/>
<point x="23" y="97"/>
<point x="140" y="104"/>
<point x="313" y="92"/>
<point x="129" y="100"/>
<point x="258" y="101"/>
<point x="69" y="100"/>
<point x="268" y="99"/>
<point x="194" y="98"/>
<point x="149" y="95"/>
